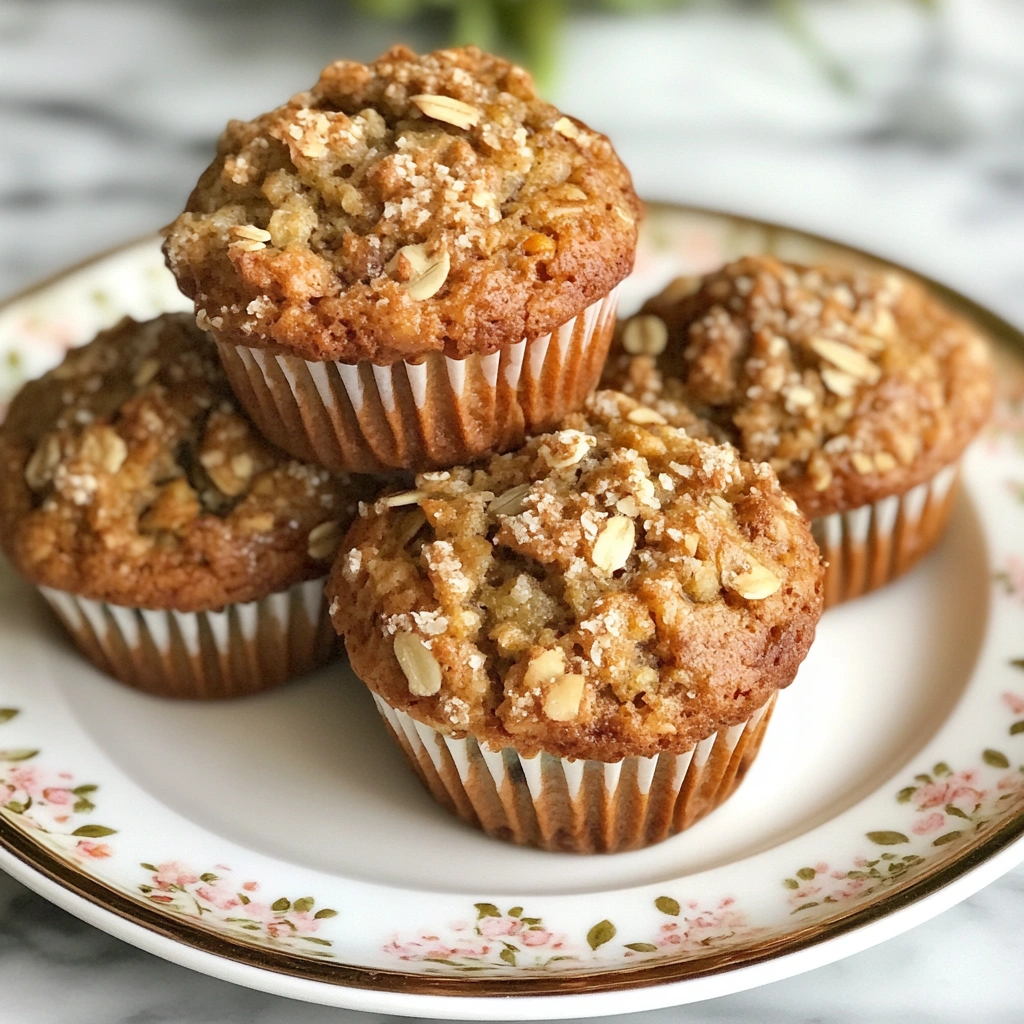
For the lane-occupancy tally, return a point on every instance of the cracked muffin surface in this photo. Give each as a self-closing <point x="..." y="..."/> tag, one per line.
<point x="614" y="588"/>
<point x="853" y="385"/>
<point x="414" y="204"/>
<point x="131" y="476"/>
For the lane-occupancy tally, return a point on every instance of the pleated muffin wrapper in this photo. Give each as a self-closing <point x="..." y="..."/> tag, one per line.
<point x="242" y="649"/>
<point x="433" y="413"/>
<point x="872" y="545"/>
<point x="577" y="806"/>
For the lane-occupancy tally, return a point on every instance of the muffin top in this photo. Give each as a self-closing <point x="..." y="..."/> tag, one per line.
<point x="411" y="205"/>
<point x="853" y="385"/>
<point x="614" y="588"/>
<point x="131" y="476"/>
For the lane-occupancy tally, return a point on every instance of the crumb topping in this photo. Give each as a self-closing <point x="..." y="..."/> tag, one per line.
<point x="613" y="587"/>
<point x="404" y="206"/>
<point x="132" y="476"/>
<point x="851" y="384"/>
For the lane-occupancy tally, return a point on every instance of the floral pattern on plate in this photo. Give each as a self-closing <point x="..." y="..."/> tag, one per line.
<point x="50" y="803"/>
<point x="221" y="900"/>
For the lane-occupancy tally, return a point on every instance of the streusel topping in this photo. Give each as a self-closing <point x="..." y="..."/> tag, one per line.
<point x="615" y="587"/>
<point x="851" y="384"/>
<point x="410" y="205"/>
<point x="131" y="476"/>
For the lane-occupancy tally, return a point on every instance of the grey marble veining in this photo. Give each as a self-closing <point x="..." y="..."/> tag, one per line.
<point x="110" y="108"/>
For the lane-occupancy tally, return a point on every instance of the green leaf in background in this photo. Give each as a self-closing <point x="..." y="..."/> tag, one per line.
<point x="530" y="31"/>
<point x="6" y="714"/>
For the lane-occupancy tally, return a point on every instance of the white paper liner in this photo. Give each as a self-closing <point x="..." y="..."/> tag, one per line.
<point x="424" y="415"/>
<point x="869" y="546"/>
<point x="577" y="806"/>
<point x="242" y="649"/>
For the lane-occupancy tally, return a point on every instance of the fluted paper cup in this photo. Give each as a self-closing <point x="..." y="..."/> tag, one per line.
<point x="429" y="414"/>
<point x="869" y="546"/>
<point x="577" y="806"/>
<point x="239" y="650"/>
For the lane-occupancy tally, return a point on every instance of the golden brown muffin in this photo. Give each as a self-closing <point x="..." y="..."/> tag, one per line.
<point x="612" y="592"/>
<point x="853" y="385"/>
<point x="131" y="476"/>
<point x="860" y="389"/>
<point x="183" y="552"/>
<point x="411" y="205"/>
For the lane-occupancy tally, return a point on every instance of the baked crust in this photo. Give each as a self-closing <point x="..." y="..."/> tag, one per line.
<point x="853" y="385"/>
<point x="290" y="239"/>
<point x="131" y="476"/>
<point x="612" y="589"/>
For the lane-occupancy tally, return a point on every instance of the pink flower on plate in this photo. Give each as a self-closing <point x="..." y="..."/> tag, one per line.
<point x="928" y="825"/>
<point x="1014" y="702"/>
<point x="218" y="898"/>
<point x="250" y="886"/>
<point x="535" y="937"/>
<point x="1013" y="575"/>
<point x="958" y="789"/>
<point x="27" y="780"/>
<point x="97" y="851"/>
<point x="174" y="873"/>
<point x="58" y="795"/>
<point x="492" y="927"/>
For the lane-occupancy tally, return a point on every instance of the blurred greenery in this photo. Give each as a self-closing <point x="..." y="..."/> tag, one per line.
<point x="529" y="31"/>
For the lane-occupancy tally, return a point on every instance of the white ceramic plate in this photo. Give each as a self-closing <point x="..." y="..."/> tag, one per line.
<point x="280" y="842"/>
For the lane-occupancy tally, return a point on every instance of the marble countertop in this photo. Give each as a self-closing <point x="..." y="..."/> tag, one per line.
<point x="109" y="109"/>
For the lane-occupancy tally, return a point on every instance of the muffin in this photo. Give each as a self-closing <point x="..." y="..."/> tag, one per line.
<point x="578" y="645"/>
<point x="860" y="389"/>
<point x="410" y="265"/>
<point x="183" y="553"/>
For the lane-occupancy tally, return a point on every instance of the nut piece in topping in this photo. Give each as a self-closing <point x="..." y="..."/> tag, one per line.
<point x="757" y="583"/>
<point x="544" y="668"/>
<point x="250" y="233"/>
<point x="567" y="128"/>
<point x="422" y="275"/>
<point x="839" y="383"/>
<point x="645" y="416"/>
<point x="566" y="448"/>
<point x="847" y="359"/>
<point x="447" y="109"/>
<point x="230" y="476"/>
<point x="562" y="697"/>
<point x="324" y="540"/>
<point x="510" y="502"/>
<point x="402" y="498"/>
<point x="645" y="335"/>
<point x="863" y="463"/>
<point x="421" y="669"/>
<point x="614" y="544"/>
<point x="39" y="468"/>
